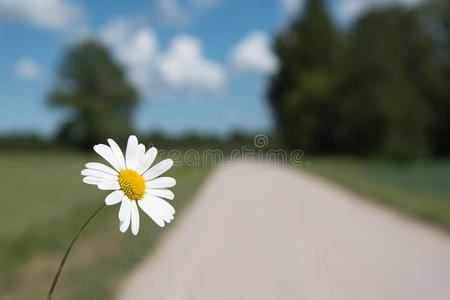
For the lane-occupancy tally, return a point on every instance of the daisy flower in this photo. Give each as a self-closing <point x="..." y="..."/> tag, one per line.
<point x="133" y="182"/>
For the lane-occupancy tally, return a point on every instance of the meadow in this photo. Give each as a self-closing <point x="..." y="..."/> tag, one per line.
<point x="44" y="202"/>
<point x="419" y="189"/>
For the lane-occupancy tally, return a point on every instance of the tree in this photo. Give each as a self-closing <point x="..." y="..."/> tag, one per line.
<point x="94" y="88"/>
<point x="379" y="89"/>
<point x="385" y="109"/>
<point x="302" y="94"/>
<point x="435" y="15"/>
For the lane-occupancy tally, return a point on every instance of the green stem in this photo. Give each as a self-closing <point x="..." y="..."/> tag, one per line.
<point x="61" y="265"/>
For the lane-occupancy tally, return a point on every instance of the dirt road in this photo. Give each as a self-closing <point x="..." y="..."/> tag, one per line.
<point x="267" y="232"/>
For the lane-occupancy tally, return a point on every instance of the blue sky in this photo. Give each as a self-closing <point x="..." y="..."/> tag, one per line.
<point x="200" y="65"/>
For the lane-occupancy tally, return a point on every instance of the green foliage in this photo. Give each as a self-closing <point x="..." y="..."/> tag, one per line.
<point x="192" y="141"/>
<point x="302" y="93"/>
<point x="436" y="18"/>
<point x="95" y="90"/>
<point x="383" y="108"/>
<point x="379" y="89"/>
<point x="25" y="142"/>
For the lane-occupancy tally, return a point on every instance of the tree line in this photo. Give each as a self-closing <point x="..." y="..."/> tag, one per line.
<point x="377" y="88"/>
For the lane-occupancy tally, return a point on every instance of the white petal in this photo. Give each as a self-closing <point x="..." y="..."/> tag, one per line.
<point x="106" y="152"/>
<point x="92" y="180"/>
<point x="167" y="205"/>
<point x="101" y="167"/>
<point x="141" y="155"/>
<point x="125" y="223"/>
<point x="150" y="212"/>
<point x="114" y="198"/>
<point x="98" y="174"/>
<point x="134" y="218"/>
<point x="158" y="169"/>
<point x="161" y="183"/>
<point x="131" y="155"/>
<point x="109" y="185"/>
<point x="141" y="152"/>
<point x="149" y="158"/>
<point x="167" y="194"/>
<point x="117" y="153"/>
<point x="164" y="212"/>
<point x="125" y="209"/>
<point x="161" y="204"/>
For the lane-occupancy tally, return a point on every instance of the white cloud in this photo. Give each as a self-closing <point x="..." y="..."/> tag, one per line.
<point x="172" y="13"/>
<point x="348" y="10"/>
<point x="292" y="6"/>
<point x="253" y="55"/>
<point x="27" y="68"/>
<point x="46" y="14"/>
<point x="181" y="69"/>
<point x="135" y="48"/>
<point x="184" y="68"/>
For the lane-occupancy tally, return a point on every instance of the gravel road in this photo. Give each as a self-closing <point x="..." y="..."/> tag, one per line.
<point x="258" y="231"/>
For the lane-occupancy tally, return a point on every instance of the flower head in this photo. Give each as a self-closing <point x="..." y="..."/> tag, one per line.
<point x="133" y="182"/>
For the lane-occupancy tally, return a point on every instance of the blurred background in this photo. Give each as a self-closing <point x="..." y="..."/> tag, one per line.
<point x="361" y="87"/>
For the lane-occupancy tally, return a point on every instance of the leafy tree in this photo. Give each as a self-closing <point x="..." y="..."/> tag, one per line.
<point x="385" y="109"/>
<point x="96" y="93"/>
<point x="302" y="94"/>
<point x="435" y="17"/>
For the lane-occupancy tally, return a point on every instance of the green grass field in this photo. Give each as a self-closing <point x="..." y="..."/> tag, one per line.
<point x="421" y="189"/>
<point x="44" y="202"/>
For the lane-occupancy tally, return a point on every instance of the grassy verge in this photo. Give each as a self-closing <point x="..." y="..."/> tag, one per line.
<point x="420" y="189"/>
<point x="44" y="203"/>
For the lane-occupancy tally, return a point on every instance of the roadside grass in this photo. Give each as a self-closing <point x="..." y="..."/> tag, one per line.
<point x="43" y="204"/>
<point x="421" y="189"/>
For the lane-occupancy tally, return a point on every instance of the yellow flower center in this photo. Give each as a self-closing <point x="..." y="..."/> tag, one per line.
<point x="132" y="184"/>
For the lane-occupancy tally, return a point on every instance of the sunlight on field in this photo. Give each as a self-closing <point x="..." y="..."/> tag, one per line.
<point x="44" y="203"/>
